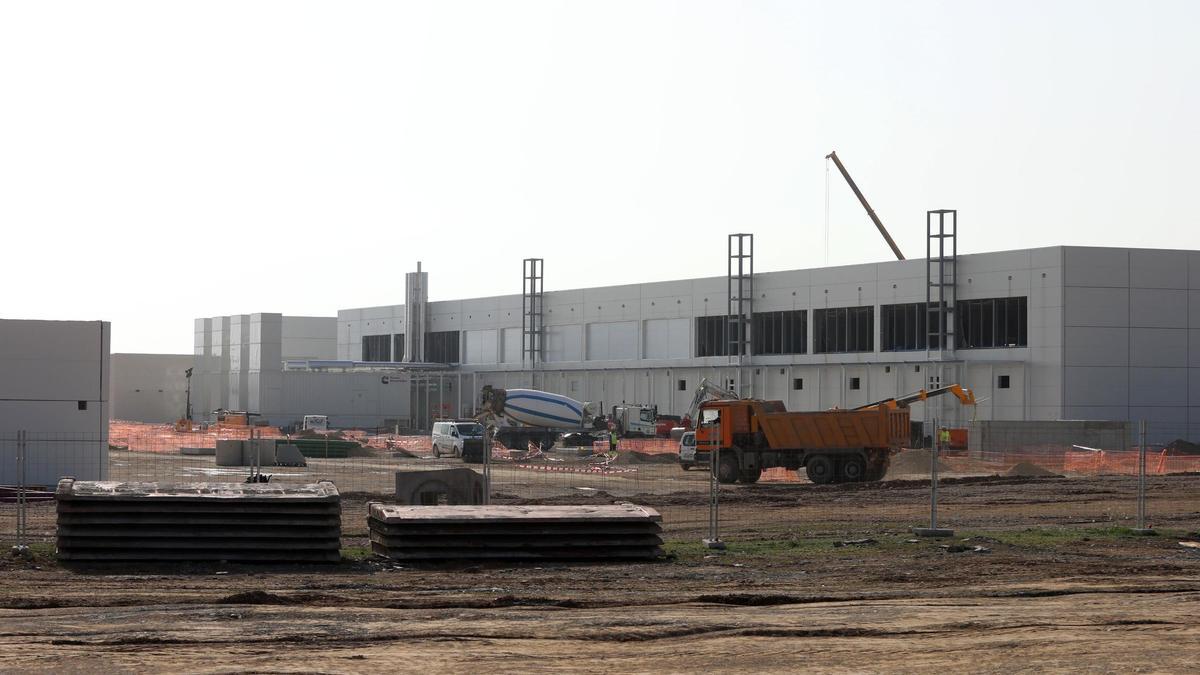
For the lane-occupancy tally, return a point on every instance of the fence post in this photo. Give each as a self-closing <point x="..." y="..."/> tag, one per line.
<point x="487" y="464"/>
<point x="1141" y="487"/>
<point x="714" y="500"/>
<point x="933" y="530"/>
<point x="21" y="548"/>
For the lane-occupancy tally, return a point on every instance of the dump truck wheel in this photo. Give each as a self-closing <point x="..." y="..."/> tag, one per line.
<point x="749" y="476"/>
<point x="727" y="469"/>
<point x="820" y="469"/>
<point x="853" y="470"/>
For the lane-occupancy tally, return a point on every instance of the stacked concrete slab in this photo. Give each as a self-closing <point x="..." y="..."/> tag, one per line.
<point x="606" y="532"/>
<point x="236" y="522"/>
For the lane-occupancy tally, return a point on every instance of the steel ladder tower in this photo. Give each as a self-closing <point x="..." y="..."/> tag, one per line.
<point x="740" y="311"/>
<point x="941" y="295"/>
<point x="532" y="309"/>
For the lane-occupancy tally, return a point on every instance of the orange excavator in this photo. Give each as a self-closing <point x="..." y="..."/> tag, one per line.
<point x="831" y="446"/>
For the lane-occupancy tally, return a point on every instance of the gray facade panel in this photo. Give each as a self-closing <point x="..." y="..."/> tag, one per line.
<point x="1158" y="269"/>
<point x="1097" y="346"/>
<point x="1096" y="267"/>
<point x="1158" y="308"/>
<point x="1096" y="412"/>
<point x="1158" y="347"/>
<point x="1096" y="306"/>
<point x="1158" y="387"/>
<point x="1092" y="386"/>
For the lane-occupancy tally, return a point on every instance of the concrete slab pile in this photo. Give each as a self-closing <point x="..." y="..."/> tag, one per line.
<point x="604" y="532"/>
<point x="191" y="522"/>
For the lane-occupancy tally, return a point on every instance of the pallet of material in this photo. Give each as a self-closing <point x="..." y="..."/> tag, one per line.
<point x="236" y="522"/>
<point x="604" y="532"/>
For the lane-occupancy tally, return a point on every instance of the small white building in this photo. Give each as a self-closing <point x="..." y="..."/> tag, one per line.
<point x="54" y="382"/>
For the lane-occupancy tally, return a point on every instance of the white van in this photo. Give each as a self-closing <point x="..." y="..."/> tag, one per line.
<point x="687" y="451"/>
<point x="458" y="439"/>
<point x="318" y="423"/>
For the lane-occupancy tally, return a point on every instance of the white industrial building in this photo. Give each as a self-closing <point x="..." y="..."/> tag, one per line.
<point x="1040" y="334"/>
<point x="149" y="387"/>
<point x="54" y="381"/>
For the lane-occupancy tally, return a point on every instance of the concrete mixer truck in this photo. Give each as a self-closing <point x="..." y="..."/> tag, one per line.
<point x="533" y="416"/>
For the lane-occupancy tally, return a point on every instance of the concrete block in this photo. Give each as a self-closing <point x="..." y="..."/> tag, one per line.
<point x="985" y="437"/>
<point x="198" y="452"/>
<point x="442" y="486"/>
<point x="287" y="454"/>
<point x="229" y="453"/>
<point x="265" y="447"/>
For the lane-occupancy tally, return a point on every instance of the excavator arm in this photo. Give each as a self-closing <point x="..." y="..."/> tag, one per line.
<point x="964" y="396"/>
<point x="707" y="390"/>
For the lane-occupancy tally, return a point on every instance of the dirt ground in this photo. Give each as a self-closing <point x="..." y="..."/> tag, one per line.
<point x="1042" y="574"/>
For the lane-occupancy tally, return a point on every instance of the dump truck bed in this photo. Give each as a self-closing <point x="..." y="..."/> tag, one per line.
<point x="834" y="429"/>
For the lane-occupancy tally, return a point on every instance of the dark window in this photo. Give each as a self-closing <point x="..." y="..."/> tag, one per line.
<point x="780" y="332"/>
<point x="798" y="383"/>
<point x="712" y="338"/>
<point x="377" y="348"/>
<point x="902" y="327"/>
<point x="82" y="405"/>
<point x="683" y="385"/>
<point x="442" y="347"/>
<point x="855" y="383"/>
<point x="843" y="329"/>
<point x="993" y="322"/>
<point x="1002" y="382"/>
<point x="398" y="347"/>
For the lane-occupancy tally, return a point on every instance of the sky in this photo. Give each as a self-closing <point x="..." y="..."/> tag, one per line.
<point x="162" y="161"/>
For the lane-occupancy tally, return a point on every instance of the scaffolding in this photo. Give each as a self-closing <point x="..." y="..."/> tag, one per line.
<point x="740" y="311"/>
<point x="532" y="328"/>
<point x="941" y="294"/>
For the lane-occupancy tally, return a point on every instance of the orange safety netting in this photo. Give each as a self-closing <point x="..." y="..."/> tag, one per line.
<point x="145" y="437"/>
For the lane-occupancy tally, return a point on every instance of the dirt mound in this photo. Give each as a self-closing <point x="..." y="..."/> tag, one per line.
<point x="1028" y="470"/>
<point x="1182" y="447"/>
<point x="254" y="598"/>
<point x="635" y="457"/>
<point x="913" y="462"/>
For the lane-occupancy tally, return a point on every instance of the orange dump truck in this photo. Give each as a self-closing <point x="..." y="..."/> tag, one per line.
<point x="830" y="445"/>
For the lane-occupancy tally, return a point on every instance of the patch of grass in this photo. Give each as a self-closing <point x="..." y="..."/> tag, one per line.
<point x="1051" y="537"/>
<point x="784" y="548"/>
<point x="357" y="553"/>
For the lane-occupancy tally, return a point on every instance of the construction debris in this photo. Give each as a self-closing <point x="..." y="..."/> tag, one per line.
<point x="602" y="532"/>
<point x="108" y="521"/>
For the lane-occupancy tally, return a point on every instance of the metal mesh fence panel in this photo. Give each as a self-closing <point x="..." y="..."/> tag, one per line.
<point x="1021" y="480"/>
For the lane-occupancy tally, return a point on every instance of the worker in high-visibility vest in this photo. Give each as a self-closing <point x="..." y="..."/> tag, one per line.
<point x="612" y="439"/>
<point x="944" y="438"/>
